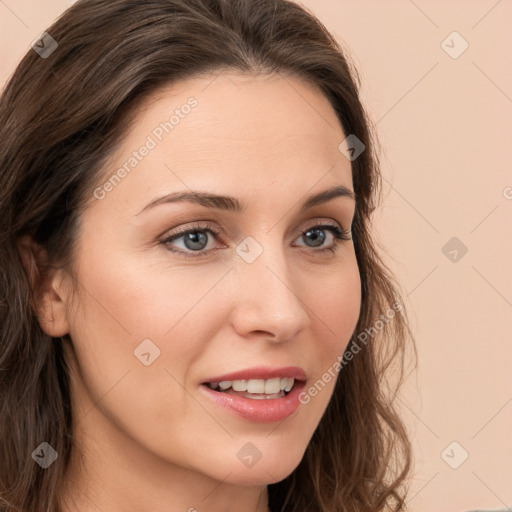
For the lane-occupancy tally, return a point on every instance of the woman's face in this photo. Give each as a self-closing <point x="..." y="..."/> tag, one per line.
<point x="152" y="325"/>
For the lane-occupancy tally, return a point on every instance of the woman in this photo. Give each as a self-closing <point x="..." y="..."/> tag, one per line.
<point x="194" y="313"/>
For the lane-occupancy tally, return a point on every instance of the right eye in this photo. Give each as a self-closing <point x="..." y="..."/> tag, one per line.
<point x="195" y="239"/>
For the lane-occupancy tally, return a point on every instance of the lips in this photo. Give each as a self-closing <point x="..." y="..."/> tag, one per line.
<point x="264" y="409"/>
<point x="258" y="407"/>
<point x="260" y="372"/>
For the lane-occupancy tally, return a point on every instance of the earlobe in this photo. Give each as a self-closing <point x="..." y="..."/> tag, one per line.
<point x="48" y="298"/>
<point x="52" y="313"/>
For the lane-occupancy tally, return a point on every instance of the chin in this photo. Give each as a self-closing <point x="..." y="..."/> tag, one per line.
<point x="267" y="470"/>
<point x="252" y="477"/>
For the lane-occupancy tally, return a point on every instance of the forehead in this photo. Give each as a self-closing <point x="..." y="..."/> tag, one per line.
<point x="240" y="110"/>
<point x="234" y="131"/>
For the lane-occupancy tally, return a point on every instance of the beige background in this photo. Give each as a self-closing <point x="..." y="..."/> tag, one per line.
<point x="444" y="123"/>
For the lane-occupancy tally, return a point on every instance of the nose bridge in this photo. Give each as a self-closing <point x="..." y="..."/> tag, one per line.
<point x="268" y="299"/>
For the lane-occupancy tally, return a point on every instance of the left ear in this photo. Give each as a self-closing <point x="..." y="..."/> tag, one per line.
<point x="50" y="298"/>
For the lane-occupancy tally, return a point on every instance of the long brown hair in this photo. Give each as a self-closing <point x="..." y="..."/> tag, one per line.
<point x="61" y="117"/>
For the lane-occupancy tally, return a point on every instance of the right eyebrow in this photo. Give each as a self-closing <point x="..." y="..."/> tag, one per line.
<point x="228" y="203"/>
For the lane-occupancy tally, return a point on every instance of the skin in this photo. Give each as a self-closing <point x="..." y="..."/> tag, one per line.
<point x="147" y="438"/>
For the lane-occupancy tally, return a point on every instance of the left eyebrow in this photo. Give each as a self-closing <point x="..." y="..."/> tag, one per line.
<point x="233" y="204"/>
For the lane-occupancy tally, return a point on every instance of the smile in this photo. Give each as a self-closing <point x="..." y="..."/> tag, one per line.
<point x="256" y="389"/>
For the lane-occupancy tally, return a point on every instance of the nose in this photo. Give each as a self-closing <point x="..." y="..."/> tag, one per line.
<point x="267" y="301"/>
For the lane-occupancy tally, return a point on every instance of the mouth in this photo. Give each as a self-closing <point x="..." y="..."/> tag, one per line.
<point x="260" y="394"/>
<point x="255" y="389"/>
<point x="258" y="383"/>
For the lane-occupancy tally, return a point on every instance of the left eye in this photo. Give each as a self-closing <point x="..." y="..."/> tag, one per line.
<point x="196" y="238"/>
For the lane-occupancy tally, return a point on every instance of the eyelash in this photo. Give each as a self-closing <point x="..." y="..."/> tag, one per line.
<point x="340" y="236"/>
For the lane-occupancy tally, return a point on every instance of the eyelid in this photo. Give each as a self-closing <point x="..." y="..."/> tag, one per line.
<point x="205" y="225"/>
<point x="196" y="226"/>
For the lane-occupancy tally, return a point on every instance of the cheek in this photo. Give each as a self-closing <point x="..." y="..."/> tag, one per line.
<point x="336" y="308"/>
<point x="122" y="317"/>
<point x="118" y="310"/>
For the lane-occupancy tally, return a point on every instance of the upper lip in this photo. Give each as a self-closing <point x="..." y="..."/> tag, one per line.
<point x="261" y="372"/>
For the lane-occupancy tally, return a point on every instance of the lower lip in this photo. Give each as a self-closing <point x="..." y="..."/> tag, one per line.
<point x="264" y="411"/>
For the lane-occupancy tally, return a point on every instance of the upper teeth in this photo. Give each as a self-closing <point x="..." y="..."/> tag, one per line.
<point x="269" y="386"/>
